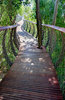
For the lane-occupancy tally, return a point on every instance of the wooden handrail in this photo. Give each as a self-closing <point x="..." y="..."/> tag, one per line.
<point x="8" y="27"/>
<point x="30" y="21"/>
<point x="61" y="29"/>
<point x="55" y="27"/>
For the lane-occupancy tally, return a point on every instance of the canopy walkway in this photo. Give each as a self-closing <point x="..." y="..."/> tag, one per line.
<point x="32" y="76"/>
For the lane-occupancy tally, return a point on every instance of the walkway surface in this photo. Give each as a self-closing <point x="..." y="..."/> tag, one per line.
<point x="32" y="76"/>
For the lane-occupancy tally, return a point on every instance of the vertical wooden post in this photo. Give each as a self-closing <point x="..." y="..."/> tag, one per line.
<point x="39" y="23"/>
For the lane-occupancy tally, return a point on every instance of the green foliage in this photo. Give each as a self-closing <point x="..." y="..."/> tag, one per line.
<point x="8" y="11"/>
<point x="47" y="11"/>
<point x="26" y="2"/>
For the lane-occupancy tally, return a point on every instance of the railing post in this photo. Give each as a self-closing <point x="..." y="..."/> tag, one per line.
<point x="4" y="49"/>
<point x="29" y="28"/>
<point x="11" y="43"/>
<point x="33" y="30"/>
<point x="15" y="39"/>
<point x="47" y="40"/>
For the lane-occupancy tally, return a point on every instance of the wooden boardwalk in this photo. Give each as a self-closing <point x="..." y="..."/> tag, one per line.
<point x="32" y="76"/>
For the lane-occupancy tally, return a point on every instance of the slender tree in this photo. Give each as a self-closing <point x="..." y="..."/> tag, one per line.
<point x="52" y="45"/>
<point x="55" y="12"/>
<point x="39" y="23"/>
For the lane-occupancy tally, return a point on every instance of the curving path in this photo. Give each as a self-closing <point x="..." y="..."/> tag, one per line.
<point x="32" y="76"/>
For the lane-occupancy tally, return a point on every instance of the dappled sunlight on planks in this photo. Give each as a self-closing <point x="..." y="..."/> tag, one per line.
<point x="53" y="80"/>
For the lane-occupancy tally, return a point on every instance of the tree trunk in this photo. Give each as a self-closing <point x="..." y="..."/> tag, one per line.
<point x="39" y="23"/>
<point x="52" y="41"/>
<point x="55" y="12"/>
